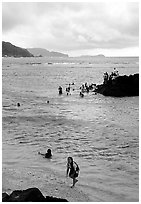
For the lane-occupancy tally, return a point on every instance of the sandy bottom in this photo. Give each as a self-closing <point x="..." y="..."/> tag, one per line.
<point x="49" y="184"/>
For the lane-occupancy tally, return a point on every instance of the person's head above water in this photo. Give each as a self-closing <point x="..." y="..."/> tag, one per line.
<point x="49" y="151"/>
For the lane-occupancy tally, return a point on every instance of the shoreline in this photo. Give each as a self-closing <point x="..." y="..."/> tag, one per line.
<point x="50" y="184"/>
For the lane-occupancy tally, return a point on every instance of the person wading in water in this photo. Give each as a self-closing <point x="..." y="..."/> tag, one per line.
<point x="72" y="170"/>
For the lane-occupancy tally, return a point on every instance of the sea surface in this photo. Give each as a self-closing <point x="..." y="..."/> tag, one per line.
<point x="100" y="133"/>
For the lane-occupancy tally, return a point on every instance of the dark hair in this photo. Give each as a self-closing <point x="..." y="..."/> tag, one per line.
<point x="18" y="104"/>
<point x="71" y="159"/>
<point x="71" y="163"/>
<point x="49" y="151"/>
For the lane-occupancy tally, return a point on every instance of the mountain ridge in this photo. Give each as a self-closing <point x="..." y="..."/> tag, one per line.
<point x="42" y="52"/>
<point x="91" y="56"/>
<point x="10" y="50"/>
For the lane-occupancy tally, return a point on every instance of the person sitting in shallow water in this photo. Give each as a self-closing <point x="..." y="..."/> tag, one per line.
<point x="48" y="154"/>
<point x="72" y="170"/>
<point x="60" y="90"/>
<point x="81" y="94"/>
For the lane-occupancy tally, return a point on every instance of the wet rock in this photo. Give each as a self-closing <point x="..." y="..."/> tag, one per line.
<point x="5" y="197"/>
<point x="29" y="195"/>
<point x="54" y="199"/>
<point x="120" y="86"/>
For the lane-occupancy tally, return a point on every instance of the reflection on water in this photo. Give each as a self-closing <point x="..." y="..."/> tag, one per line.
<point x="101" y="133"/>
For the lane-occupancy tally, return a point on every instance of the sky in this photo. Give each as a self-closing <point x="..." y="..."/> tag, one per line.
<point x="74" y="28"/>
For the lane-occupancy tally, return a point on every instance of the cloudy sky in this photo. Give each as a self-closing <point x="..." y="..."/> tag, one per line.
<point x="74" y="28"/>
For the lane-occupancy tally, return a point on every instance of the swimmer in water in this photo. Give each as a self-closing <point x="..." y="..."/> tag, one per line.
<point x="48" y="154"/>
<point x="18" y="104"/>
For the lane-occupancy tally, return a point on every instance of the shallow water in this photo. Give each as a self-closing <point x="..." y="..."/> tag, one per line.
<point x="101" y="133"/>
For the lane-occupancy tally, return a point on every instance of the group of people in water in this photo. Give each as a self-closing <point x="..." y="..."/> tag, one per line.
<point x="87" y="88"/>
<point x="84" y="88"/>
<point x="112" y="76"/>
<point x="68" y="89"/>
<point x="72" y="167"/>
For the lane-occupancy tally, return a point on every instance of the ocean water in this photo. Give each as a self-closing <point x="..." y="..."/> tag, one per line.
<point x="100" y="133"/>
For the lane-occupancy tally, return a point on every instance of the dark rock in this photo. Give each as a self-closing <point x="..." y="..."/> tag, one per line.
<point x="54" y="199"/>
<point x="29" y="195"/>
<point x="120" y="86"/>
<point x="5" y="197"/>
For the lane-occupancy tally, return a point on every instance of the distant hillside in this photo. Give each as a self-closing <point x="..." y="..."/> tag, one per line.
<point x="9" y="50"/>
<point x="45" y="53"/>
<point x="87" y="56"/>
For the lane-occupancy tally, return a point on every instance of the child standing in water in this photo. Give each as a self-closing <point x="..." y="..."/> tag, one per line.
<point x="72" y="170"/>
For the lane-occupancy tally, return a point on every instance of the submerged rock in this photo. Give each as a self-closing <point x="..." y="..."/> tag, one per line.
<point x="120" y="86"/>
<point x="29" y="195"/>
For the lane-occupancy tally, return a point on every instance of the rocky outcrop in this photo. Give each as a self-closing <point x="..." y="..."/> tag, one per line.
<point x="29" y="195"/>
<point x="120" y="86"/>
<point x="9" y="50"/>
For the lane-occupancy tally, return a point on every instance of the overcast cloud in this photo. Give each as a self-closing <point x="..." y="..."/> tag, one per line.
<point x="73" y="27"/>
